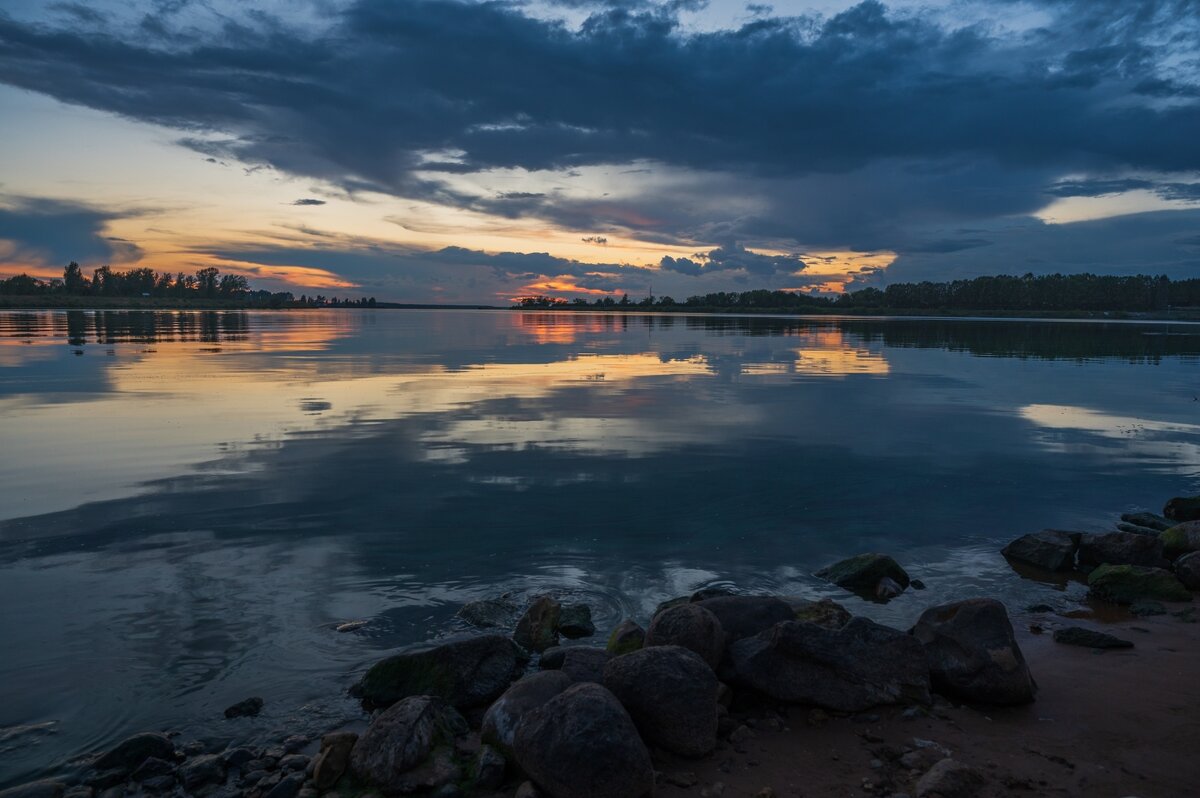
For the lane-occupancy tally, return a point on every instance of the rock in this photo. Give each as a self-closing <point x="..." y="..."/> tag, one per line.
<point x="247" y="708"/>
<point x="201" y="770"/>
<point x="1052" y="549"/>
<point x="333" y="760"/>
<point x="79" y="791"/>
<point x="1181" y="539"/>
<point x="489" y="769"/>
<point x="103" y="779"/>
<point x="826" y="612"/>
<point x="746" y="616"/>
<point x="236" y="757"/>
<point x="466" y="671"/>
<point x="527" y="790"/>
<point x="671" y="694"/>
<point x="36" y="789"/>
<point x="917" y="584"/>
<point x="293" y="762"/>
<point x="490" y="613"/>
<point x="1183" y="508"/>
<point x="537" y="629"/>
<point x="1120" y="548"/>
<point x="1137" y="530"/>
<point x="153" y="766"/>
<point x="692" y="627"/>
<point x="1078" y="636"/>
<point x="973" y="654"/>
<point x="887" y="589"/>
<point x="409" y="747"/>
<point x="135" y="750"/>
<point x="287" y="787"/>
<point x="628" y="636"/>
<point x="501" y="720"/>
<point x="164" y="783"/>
<point x="583" y="744"/>
<point x="1125" y="584"/>
<point x="950" y="779"/>
<point x="1187" y="570"/>
<point x="552" y="658"/>
<point x="350" y="626"/>
<point x="862" y="573"/>
<point x="585" y="663"/>
<point x="860" y="665"/>
<point x="575" y="621"/>
<point x="1148" y="520"/>
<point x="1145" y="609"/>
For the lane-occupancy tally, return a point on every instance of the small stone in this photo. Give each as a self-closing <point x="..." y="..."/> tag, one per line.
<point x="527" y="790"/>
<point x="350" y="626"/>
<point x="741" y="734"/>
<point x="293" y="762"/>
<point x="236" y="757"/>
<point x="950" y="779"/>
<point x="206" y="769"/>
<point x="917" y="584"/>
<point x="293" y="743"/>
<point x="685" y="780"/>
<point x="1078" y="636"/>
<point x="287" y="788"/>
<point x="246" y="708"/>
<point x="164" y="783"/>
<point x="887" y="589"/>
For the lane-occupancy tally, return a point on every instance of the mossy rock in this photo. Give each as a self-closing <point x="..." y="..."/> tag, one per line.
<point x="466" y="672"/>
<point x="627" y="637"/>
<point x="1125" y="584"/>
<point x="863" y="572"/>
<point x="1181" y="539"/>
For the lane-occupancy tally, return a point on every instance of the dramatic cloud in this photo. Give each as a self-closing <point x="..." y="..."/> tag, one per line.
<point x="41" y="234"/>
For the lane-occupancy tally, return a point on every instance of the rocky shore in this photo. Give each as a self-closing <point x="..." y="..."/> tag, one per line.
<point x="727" y="694"/>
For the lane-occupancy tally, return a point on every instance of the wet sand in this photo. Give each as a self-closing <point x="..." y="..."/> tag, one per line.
<point x="1117" y="723"/>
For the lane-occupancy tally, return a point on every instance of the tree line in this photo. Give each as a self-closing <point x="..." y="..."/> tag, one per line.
<point x="1029" y="293"/>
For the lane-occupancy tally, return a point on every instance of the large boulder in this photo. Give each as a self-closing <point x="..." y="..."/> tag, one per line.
<point x="671" y="694"/>
<point x="1052" y="549"/>
<point x="973" y="654"/>
<point x="628" y="636"/>
<point x="501" y="720"/>
<point x="537" y="630"/>
<point x="466" y="671"/>
<point x="824" y="612"/>
<point x="1120" y="548"/>
<point x="857" y="666"/>
<point x="333" y="759"/>
<point x="1183" y="508"/>
<point x="1187" y="570"/>
<point x="583" y="744"/>
<point x="692" y="627"/>
<point x="1125" y="584"/>
<point x="585" y="663"/>
<point x="746" y="616"/>
<point x="410" y="746"/>
<point x="1147" y="521"/>
<point x="135" y="750"/>
<point x="862" y="573"/>
<point x="1180" y="539"/>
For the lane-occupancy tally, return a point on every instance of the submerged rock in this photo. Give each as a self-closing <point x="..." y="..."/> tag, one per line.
<point x="1187" y="570"/>
<point x="1078" y="636"/>
<point x="862" y="573"/>
<point x="489" y="613"/>
<point x="1052" y="549"/>
<point x="1148" y="520"/>
<point x="409" y="747"/>
<point x="1125" y="584"/>
<point x="246" y="708"/>
<point x="1120" y="548"/>
<point x="135" y="750"/>
<point x="1183" y="508"/>
<point x="583" y="744"/>
<point x="973" y="654"/>
<point x="746" y="616"/>
<point x="671" y="694"/>
<point x="1181" y="539"/>
<point x="585" y="663"/>
<point x="826" y="612"/>
<point x="692" y="627"/>
<point x="575" y="621"/>
<point x="628" y="636"/>
<point x="466" y="671"/>
<point x="501" y="720"/>
<point x="537" y="630"/>
<point x="858" y="666"/>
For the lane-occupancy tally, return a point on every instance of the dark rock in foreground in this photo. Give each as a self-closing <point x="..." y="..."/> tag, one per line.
<point x="583" y="744"/>
<point x="537" y="630"/>
<point x="1120" y="548"/>
<point x="1183" y="508"/>
<point x="467" y="672"/>
<point x="502" y="718"/>
<point x="35" y="789"/>
<point x="746" y="616"/>
<point x="1181" y="539"/>
<point x="135" y="750"/>
<point x="585" y="663"/>
<point x="858" y="666"/>
<point x="671" y="694"/>
<point x="628" y="636"/>
<point x="1147" y="520"/>
<point x="333" y="759"/>
<point x="1125" y="584"/>
<point x="692" y="627"/>
<point x="863" y="573"/>
<point x="409" y="747"/>
<point x="1078" y="636"/>
<point x="973" y="654"/>
<point x="1052" y="549"/>
<point x="1187" y="570"/>
<point x="247" y="708"/>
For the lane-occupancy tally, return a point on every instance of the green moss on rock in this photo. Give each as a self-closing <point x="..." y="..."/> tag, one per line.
<point x="1125" y="584"/>
<point x="1181" y="539"/>
<point x="863" y="572"/>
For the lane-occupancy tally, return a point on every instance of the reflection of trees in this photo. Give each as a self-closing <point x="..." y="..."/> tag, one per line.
<point x="120" y="326"/>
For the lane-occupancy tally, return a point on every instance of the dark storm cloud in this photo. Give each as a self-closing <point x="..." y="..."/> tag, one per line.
<point x="57" y="232"/>
<point x="1184" y="192"/>
<point x="309" y="201"/>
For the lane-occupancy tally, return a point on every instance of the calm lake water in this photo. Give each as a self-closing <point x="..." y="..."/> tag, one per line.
<point x="190" y="502"/>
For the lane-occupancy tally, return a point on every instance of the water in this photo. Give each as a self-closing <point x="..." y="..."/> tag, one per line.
<point x="190" y="502"/>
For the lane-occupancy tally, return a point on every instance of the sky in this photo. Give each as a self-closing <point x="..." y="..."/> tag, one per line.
<point x="463" y="151"/>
